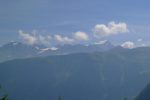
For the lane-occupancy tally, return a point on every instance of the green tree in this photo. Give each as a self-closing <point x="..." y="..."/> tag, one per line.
<point x="59" y="98"/>
<point x="125" y="98"/>
<point x="4" y="98"/>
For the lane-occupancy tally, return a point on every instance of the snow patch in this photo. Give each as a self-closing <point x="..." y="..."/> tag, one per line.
<point x="101" y="42"/>
<point x="47" y="49"/>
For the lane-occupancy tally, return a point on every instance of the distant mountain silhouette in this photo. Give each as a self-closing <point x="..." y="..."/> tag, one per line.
<point x="16" y="50"/>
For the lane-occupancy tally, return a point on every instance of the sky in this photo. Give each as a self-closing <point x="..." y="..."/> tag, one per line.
<point x="75" y="21"/>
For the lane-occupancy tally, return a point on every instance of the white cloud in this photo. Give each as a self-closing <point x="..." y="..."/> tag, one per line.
<point x="63" y="40"/>
<point x="102" y="30"/>
<point x="128" y="44"/>
<point x="34" y="38"/>
<point x="44" y="39"/>
<point x="81" y="36"/>
<point x="27" y="38"/>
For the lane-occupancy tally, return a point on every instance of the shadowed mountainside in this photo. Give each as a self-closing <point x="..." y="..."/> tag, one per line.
<point x="110" y="75"/>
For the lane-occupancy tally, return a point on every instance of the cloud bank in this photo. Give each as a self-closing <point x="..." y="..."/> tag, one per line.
<point x="99" y="31"/>
<point x="63" y="40"/>
<point x="102" y="30"/>
<point x="32" y="39"/>
<point x="27" y="38"/>
<point x="35" y="38"/>
<point x="76" y="37"/>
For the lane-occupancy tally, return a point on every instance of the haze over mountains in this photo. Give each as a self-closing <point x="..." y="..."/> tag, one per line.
<point x="82" y="74"/>
<point x="62" y="49"/>
<point x="13" y="50"/>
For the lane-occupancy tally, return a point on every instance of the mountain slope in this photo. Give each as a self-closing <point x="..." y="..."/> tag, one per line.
<point x="109" y="75"/>
<point x="15" y="50"/>
<point x="145" y="94"/>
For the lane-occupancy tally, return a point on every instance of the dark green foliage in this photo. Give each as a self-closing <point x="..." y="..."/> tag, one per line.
<point x="59" y="98"/>
<point x="125" y="98"/>
<point x="4" y="98"/>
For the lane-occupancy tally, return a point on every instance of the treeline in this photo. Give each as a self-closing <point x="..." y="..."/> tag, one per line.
<point x="144" y="94"/>
<point x="6" y="98"/>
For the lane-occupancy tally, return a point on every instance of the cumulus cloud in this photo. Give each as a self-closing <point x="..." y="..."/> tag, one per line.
<point x="27" y="38"/>
<point x="34" y="38"/>
<point x="81" y="36"/>
<point x="128" y="44"/>
<point x="102" y="30"/>
<point x="44" y="39"/>
<point x="63" y="39"/>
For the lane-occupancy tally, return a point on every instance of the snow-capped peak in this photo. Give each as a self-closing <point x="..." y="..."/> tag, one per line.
<point x="47" y="49"/>
<point x="101" y="42"/>
<point x="54" y="48"/>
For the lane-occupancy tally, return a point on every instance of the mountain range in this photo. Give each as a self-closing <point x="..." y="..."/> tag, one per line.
<point x="16" y="50"/>
<point x="109" y="75"/>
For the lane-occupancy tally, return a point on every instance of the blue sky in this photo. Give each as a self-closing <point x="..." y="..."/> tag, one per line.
<point x="68" y="16"/>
